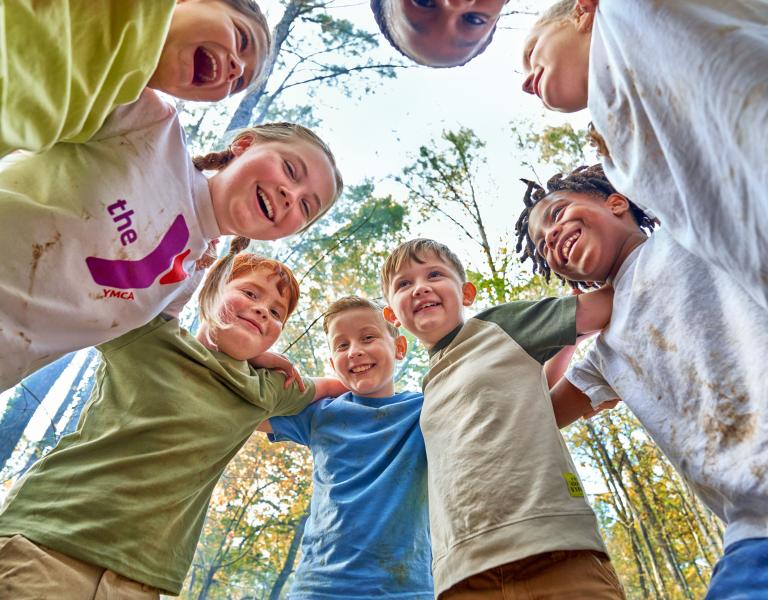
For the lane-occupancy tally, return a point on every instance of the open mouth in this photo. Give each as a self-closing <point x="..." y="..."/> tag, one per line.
<point x="206" y="67"/>
<point x="425" y="306"/>
<point x="265" y="205"/>
<point x="361" y="369"/>
<point x="567" y="245"/>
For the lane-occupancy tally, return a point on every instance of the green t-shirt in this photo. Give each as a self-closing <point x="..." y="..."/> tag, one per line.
<point x="66" y="64"/>
<point x="128" y="491"/>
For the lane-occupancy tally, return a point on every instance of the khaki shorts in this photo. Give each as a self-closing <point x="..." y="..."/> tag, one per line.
<point x="571" y="574"/>
<point x="32" y="572"/>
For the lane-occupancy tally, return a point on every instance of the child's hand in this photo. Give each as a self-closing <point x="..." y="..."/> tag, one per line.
<point x="208" y="257"/>
<point x="600" y="408"/>
<point x="277" y="362"/>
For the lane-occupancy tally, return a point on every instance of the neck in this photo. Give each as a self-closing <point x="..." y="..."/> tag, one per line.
<point x="630" y="243"/>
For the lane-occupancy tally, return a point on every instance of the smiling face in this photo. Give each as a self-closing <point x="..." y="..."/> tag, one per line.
<point x="442" y="33"/>
<point x="584" y="237"/>
<point x="254" y="310"/>
<point x="556" y="63"/>
<point x="212" y="50"/>
<point x="428" y="299"/>
<point x="271" y="189"/>
<point x="363" y="352"/>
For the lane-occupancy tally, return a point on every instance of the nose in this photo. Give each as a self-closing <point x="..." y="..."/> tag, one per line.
<point x="287" y="196"/>
<point x="551" y="235"/>
<point x="354" y="351"/>
<point x="455" y="4"/>
<point x="236" y="68"/>
<point x="261" y="312"/>
<point x="421" y="288"/>
<point x="528" y="84"/>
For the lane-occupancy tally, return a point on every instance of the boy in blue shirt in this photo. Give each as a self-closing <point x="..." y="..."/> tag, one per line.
<point x="367" y="534"/>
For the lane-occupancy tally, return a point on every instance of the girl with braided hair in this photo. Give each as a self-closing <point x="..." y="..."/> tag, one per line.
<point x="115" y="510"/>
<point x="98" y="238"/>
<point x="678" y="95"/>
<point x="685" y="350"/>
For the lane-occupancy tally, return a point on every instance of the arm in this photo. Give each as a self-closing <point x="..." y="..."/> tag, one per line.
<point x="570" y="403"/>
<point x="593" y="309"/>
<point x="324" y="387"/>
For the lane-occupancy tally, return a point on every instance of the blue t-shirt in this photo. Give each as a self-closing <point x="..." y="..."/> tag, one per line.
<point x="367" y="534"/>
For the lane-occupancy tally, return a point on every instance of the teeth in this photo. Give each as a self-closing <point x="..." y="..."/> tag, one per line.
<point x="427" y="305"/>
<point x="267" y="204"/>
<point x="361" y="368"/>
<point x="566" y="247"/>
<point x="214" y="65"/>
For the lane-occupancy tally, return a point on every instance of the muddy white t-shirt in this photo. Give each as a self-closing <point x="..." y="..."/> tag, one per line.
<point x="98" y="238"/>
<point x="679" y="91"/>
<point x="686" y="351"/>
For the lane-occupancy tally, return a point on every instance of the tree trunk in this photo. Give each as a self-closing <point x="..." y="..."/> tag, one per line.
<point x="282" y="577"/>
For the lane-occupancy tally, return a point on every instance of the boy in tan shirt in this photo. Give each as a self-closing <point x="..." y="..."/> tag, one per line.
<point x="508" y="517"/>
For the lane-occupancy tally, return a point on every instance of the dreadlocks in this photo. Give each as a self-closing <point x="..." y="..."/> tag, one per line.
<point x="584" y="180"/>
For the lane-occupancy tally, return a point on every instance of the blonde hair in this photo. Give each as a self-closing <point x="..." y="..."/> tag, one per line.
<point x="250" y="9"/>
<point x="414" y="250"/>
<point x="279" y="131"/>
<point x="557" y="12"/>
<point x="350" y="303"/>
<point x="235" y="264"/>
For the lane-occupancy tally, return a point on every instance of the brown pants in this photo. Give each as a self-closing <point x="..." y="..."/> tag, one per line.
<point x="572" y="575"/>
<point x="32" y="572"/>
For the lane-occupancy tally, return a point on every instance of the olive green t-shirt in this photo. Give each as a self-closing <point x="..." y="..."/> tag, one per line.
<point x="66" y="64"/>
<point x="129" y="489"/>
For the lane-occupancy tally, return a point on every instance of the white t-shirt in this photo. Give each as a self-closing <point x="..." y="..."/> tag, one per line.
<point x="98" y="238"/>
<point x="679" y="91"/>
<point x="686" y="351"/>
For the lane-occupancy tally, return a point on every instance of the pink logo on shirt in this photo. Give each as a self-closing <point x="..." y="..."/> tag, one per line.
<point x="142" y="273"/>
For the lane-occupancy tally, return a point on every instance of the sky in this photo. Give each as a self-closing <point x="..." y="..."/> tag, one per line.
<point x="379" y="134"/>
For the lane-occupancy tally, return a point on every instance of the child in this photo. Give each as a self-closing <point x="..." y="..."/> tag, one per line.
<point x="685" y="350"/>
<point x="67" y="64"/>
<point x="367" y="534"/>
<point x="678" y="91"/>
<point x="120" y="502"/>
<point x="99" y="238"/>
<point x="438" y="34"/>
<point x="506" y="507"/>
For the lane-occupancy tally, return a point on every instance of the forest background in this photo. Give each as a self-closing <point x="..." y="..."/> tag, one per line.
<point x="424" y="152"/>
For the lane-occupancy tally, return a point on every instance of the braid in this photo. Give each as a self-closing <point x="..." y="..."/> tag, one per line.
<point x="213" y="161"/>
<point x="584" y="180"/>
<point x="215" y="281"/>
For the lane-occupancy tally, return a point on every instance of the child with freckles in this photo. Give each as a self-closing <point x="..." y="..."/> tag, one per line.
<point x="367" y="535"/>
<point x="678" y="95"/>
<point x="685" y="350"/>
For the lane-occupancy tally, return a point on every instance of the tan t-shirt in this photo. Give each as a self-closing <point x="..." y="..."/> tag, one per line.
<point x="502" y="485"/>
<point x="129" y="489"/>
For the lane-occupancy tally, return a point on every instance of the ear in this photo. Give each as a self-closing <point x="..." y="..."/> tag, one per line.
<point x="330" y="360"/>
<point x="468" y="292"/>
<point x="241" y="144"/>
<point x="401" y="347"/>
<point x="390" y="317"/>
<point x="584" y="13"/>
<point x="617" y="204"/>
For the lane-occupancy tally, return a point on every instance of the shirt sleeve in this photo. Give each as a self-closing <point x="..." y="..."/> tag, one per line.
<point x="587" y="375"/>
<point x="541" y="327"/>
<point x="293" y="429"/>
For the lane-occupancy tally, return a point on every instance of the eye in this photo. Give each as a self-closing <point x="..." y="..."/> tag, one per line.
<point x="290" y="170"/>
<point x="556" y="211"/>
<point x="342" y="346"/>
<point x="305" y="208"/>
<point x="251" y="294"/>
<point x="424" y="3"/>
<point x="433" y="274"/>
<point x="369" y="338"/>
<point x="474" y="19"/>
<point x="276" y="313"/>
<point x="239" y="83"/>
<point x="402" y="283"/>
<point x="243" y="38"/>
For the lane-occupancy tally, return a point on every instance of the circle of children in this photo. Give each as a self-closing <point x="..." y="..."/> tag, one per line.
<point x="109" y="227"/>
